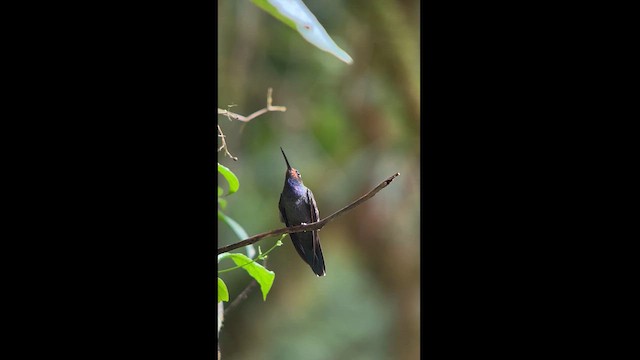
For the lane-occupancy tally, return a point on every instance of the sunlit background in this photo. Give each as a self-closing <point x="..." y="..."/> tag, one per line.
<point x="346" y="129"/>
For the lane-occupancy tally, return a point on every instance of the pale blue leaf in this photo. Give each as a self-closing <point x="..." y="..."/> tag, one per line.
<point x="296" y="14"/>
<point x="237" y="228"/>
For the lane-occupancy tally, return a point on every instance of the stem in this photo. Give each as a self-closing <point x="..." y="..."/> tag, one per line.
<point x="259" y="257"/>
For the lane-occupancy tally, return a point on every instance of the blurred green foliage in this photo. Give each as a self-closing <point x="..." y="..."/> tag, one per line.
<point x="346" y="128"/>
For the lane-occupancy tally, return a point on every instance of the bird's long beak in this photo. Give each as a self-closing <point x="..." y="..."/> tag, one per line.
<point x="285" y="159"/>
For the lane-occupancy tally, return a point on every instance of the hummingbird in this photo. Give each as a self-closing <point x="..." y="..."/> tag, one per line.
<point x="297" y="206"/>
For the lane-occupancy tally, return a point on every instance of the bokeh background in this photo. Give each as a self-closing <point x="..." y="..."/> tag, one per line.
<point x="346" y="129"/>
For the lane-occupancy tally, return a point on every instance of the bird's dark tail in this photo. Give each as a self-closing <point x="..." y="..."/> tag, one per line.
<point x="303" y="244"/>
<point x="317" y="262"/>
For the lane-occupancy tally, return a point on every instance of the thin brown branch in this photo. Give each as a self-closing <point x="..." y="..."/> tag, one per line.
<point x="224" y="145"/>
<point x="230" y="115"/>
<point x="312" y="226"/>
<point x="243" y="295"/>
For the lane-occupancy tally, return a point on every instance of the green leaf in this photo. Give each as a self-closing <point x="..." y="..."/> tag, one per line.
<point x="223" y="293"/>
<point x="222" y="202"/>
<point x="237" y="229"/>
<point x="231" y="178"/>
<point x="263" y="276"/>
<point x="295" y="14"/>
<point x="220" y="191"/>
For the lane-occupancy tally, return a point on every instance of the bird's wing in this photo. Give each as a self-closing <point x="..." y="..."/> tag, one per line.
<point x="283" y="216"/>
<point x="318" y="260"/>
<point x="315" y="216"/>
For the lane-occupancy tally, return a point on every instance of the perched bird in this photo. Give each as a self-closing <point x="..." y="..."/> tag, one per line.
<point x="298" y="206"/>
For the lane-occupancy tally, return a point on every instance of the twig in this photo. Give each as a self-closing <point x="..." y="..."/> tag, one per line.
<point x="224" y="145"/>
<point x="243" y="295"/>
<point x="312" y="226"/>
<point x="230" y="115"/>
